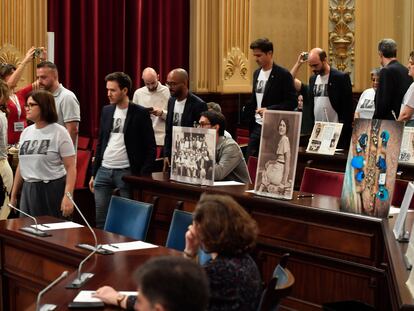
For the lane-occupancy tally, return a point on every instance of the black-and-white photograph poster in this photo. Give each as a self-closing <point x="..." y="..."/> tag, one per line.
<point x="278" y="154"/>
<point x="193" y="155"/>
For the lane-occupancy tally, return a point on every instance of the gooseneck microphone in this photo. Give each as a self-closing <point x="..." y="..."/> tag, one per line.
<point x="47" y="307"/>
<point x="83" y="277"/>
<point x="35" y="231"/>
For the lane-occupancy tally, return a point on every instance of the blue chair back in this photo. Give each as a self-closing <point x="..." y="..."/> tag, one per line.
<point x="128" y="217"/>
<point x="179" y="225"/>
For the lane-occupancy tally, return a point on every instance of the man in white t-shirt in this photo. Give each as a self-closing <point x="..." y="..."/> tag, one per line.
<point x="273" y="89"/>
<point x="154" y="96"/>
<point x="407" y="106"/>
<point x="126" y="144"/>
<point x="67" y="105"/>
<point x="330" y="94"/>
<point x="184" y="108"/>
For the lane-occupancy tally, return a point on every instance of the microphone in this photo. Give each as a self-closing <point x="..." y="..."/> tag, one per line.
<point x="83" y="277"/>
<point x="35" y="231"/>
<point x="47" y="307"/>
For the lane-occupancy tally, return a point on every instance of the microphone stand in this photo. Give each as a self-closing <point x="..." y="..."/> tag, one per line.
<point x="35" y="231"/>
<point x="47" y="307"/>
<point x="83" y="277"/>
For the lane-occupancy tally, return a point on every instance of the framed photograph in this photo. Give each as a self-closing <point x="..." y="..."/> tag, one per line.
<point x="407" y="146"/>
<point x="193" y="155"/>
<point x="278" y="154"/>
<point x="324" y="137"/>
<point x="371" y="167"/>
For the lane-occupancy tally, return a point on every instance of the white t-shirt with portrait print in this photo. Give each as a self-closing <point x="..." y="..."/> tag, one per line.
<point x="408" y="99"/>
<point x="41" y="152"/>
<point x="260" y="88"/>
<point x="323" y="110"/>
<point x="178" y="111"/>
<point x="115" y="155"/>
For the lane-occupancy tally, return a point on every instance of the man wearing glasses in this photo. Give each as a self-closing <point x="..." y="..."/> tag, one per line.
<point x="154" y="97"/>
<point x="184" y="108"/>
<point x="230" y="163"/>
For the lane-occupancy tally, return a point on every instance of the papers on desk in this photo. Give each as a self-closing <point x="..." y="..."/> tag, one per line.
<point x="57" y="225"/>
<point x="128" y="246"/>
<point x="86" y="296"/>
<point x="227" y="183"/>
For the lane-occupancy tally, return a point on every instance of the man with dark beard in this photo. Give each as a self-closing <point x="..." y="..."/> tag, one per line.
<point x="184" y="108"/>
<point x="330" y="94"/>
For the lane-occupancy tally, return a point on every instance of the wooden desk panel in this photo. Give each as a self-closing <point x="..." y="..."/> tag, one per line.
<point x="334" y="255"/>
<point x="30" y="263"/>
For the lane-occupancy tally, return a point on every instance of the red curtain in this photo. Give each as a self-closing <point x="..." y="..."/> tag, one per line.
<point x="96" y="37"/>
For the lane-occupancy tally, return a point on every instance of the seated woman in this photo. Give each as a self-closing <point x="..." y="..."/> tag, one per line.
<point x="224" y="229"/>
<point x="47" y="168"/>
<point x="276" y="172"/>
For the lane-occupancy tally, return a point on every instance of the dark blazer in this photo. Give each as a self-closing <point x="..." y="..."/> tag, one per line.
<point x="394" y="81"/>
<point x="279" y="93"/>
<point x="194" y="106"/>
<point x="340" y="96"/>
<point x="138" y="136"/>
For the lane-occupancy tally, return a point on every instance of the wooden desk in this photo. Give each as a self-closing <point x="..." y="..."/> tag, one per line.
<point x="334" y="256"/>
<point x="29" y="263"/>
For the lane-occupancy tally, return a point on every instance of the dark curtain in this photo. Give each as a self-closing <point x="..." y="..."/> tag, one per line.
<point x="97" y="37"/>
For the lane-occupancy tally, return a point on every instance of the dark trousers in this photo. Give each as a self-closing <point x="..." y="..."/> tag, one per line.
<point x="254" y="141"/>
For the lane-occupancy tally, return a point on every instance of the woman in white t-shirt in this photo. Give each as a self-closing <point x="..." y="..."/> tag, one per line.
<point x="47" y="166"/>
<point x="6" y="172"/>
<point x="366" y="104"/>
<point x="407" y="107"/>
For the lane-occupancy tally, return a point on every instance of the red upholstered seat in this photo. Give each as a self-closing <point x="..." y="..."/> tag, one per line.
<point x="322" y="182"/>
<point x="83" y="158"/>
<point x="242" y="137"/>
<point x="252" y="167"/>
<point x="399" y="192"/>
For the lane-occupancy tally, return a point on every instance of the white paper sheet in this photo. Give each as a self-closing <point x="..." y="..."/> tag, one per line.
<point x="58" y="225"/>
<point x="399" y="223"/>
<point x="227" y="183"/>
<point x="128" y="246"/>
<point x="86" y="296"/>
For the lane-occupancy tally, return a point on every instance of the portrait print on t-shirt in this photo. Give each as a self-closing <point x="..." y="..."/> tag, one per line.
<point x="117" y="128"/>
<point x="320" y="90"/>
<point x="367" y="104"/>
<point x="260" y="86"/>
<point x="34" y="147"/>
<point x="176" y="119"/>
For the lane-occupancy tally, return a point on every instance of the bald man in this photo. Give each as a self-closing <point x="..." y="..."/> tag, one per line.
<point x="184" y="108"/>
<point x="154" y="96"/>
<point x="330" y="94"/>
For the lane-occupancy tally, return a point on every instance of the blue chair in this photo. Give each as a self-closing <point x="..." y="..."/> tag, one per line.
<point x="128" y="217"/>
<point x="179" y="225"/>
<point x="278" y="288"/>
<point x="176" y="235"/>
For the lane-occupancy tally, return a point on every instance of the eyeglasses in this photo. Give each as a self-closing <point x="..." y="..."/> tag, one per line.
<point x="203" y="124"/>
<point x="30" y="106"/>
<point x="171" y="84"/>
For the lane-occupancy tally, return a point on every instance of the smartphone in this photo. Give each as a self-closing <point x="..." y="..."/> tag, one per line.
<point x="149" y="108"/>
<point x="305" y="55"/>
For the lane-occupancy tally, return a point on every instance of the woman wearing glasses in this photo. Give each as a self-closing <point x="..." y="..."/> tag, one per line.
<point x="47" y="169"/>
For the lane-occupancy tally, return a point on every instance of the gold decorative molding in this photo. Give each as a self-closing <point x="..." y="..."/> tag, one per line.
<point x="342" y="34"/>
<point x="9" y="54"/>
<point x="236" y="62"/>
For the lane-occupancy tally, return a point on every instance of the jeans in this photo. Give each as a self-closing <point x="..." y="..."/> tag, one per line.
<point x="105" y="182"/>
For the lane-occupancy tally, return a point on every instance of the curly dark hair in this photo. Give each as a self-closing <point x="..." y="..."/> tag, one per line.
<point x="224" y="226"/>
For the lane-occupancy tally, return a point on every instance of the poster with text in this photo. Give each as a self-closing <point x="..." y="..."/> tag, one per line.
<point x="193" y="155"/>
<point x="407" y="146"/>
<point x="324" y="138"/>
<point x="371" y="167"/>
<point x="278" y="154"/>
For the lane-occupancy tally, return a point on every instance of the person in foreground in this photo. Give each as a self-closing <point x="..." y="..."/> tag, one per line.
<point x="164" y="284"/>
<point x="47" y="165"/>
<point x="222" y="228"/>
